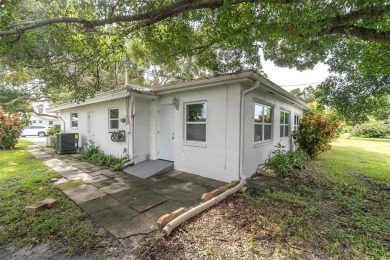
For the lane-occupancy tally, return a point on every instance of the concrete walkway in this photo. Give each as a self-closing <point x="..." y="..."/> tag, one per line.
<point x="125" y="205"/>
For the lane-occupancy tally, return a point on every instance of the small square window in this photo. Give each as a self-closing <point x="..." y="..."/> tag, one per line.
<point x="284" y="124"/>
<point x="263" y="123"/>
<point x="113" y="118"/>
<point x="297" y="120"/>
<point x="50" y="122"/>
<point x="196" y="122"/>
<point x="74" y="120"/>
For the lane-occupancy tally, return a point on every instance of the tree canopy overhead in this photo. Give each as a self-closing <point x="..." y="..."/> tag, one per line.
<point x="81" y="47"/>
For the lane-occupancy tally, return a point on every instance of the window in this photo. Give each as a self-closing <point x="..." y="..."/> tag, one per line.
<point x="195" y="122"/>
<point x="34" y="121"/>
<point x="74" y="120"/>
<point x="263" y="123"/>
<point x="40" y="121"/>
<point x="284" y="123"/>
<point x="113" y="118"/>
<point x="50" y="122"/>
<point x="297" y="119"/>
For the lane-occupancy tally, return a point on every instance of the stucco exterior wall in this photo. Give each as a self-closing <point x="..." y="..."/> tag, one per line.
<point x="256" y="153"/>
<point x="102" y="135"/>
<point x="219" y="157"/>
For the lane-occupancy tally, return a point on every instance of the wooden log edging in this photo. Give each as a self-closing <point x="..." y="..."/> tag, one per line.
<point x="209" y="195"/>
<point x="198" y="209"/>
<point x="165" y="219"/>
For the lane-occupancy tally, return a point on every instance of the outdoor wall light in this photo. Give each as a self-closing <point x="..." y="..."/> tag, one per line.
<point x="175" y="102"/>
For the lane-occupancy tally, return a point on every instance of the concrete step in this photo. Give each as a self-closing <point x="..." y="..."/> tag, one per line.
<point x="149" y="168"/>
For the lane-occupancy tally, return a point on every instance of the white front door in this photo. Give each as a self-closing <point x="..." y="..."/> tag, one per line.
<point x="91" y="127"/>
<point x="165" y="133"/>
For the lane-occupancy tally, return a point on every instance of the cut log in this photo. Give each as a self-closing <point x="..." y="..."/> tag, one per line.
<point x="202" y="207"/>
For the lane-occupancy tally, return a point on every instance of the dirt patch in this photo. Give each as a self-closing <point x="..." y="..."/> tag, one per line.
<point x="230" y="230"/>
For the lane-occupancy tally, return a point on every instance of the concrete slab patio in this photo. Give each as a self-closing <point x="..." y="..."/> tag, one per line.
<point x="124" y="204"/>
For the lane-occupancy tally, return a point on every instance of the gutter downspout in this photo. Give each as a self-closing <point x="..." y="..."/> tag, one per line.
<point x="132" y="115"/>
<point x="241" y="154"/>
<point x="63" y="121"/>
<point x="127" y="127"/>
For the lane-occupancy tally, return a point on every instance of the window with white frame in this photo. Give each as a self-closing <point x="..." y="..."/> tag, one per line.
<point x="297" y="119"/>
<point x="284" y="123"/>
<point x="50" y="122"/>
<point x="195" y="121"/>
<point x="74" y="120"/>
<point x="40" y="121"/>
<point x="34" y="121"/>
<point x="113" y="118"/>
<point x="263" y="123"/>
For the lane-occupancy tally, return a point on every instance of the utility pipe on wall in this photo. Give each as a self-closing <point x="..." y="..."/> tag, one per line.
<point x="63" y="121"/>
<point x="242" y="121"/>
<point x="132" y="117"/>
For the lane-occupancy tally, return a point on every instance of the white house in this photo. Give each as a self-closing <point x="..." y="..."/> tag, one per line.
<point x="44" y="120"/>
<point x="221" y="127"/>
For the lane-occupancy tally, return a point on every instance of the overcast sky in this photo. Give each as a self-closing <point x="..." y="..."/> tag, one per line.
<point x="292" y="78"/>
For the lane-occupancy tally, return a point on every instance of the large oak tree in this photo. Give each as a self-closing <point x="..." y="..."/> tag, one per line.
<point x="80" y="47"/>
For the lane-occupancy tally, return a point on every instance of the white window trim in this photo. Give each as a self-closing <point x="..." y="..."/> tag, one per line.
<point x="72" y="127"/>
<point x="109" y="119"/>
<point x="257" y="143"/>
<point x="288" y="124"/>
<point x="190" y="142"/>
<point x="296" y="126"/>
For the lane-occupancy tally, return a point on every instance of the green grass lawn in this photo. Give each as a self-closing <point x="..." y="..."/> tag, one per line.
<point x="25" y="180"/>
<point x="340" y="204"/>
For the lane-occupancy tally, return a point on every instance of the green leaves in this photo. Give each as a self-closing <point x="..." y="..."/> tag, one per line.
<point x="162" y="41"/>
<point x="315" y="133"/>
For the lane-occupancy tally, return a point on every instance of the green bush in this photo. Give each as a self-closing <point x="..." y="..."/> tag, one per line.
<point x="11" y="127"/>
<point x="94" y="155"/>
<point x="55" y="129"/>
<point x="284" y="162"/>
<point x="371" y="129"/>
<point x="315" y="133"/>
<point x="298" y="159"/>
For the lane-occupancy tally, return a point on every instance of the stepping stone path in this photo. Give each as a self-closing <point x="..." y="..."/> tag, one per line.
<point x="125" y="205"/>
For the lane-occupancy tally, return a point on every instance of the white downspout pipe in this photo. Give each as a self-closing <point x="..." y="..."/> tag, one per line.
<point x="132" y="118"/>
<point x="63" y="121"/>
<point x="242" y="121"/>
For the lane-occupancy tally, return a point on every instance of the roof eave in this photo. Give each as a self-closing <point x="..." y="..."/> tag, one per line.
<point x="277" y="89"/>
<point x="236" y="78"/>
<point x="104" y="97"/>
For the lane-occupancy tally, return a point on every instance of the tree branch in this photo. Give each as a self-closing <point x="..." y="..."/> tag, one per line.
<point x="13" y="101"/>
<point x="368" y="12"/>
<point x="343" y="24"/>
<point x="148" y="18"/>
<point x="43" y="114"/>
<point x="363" y="33"/>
